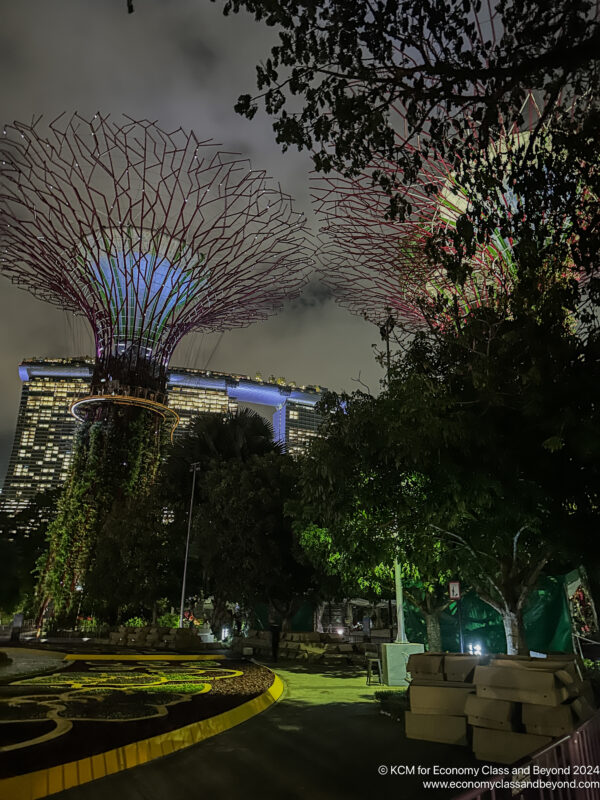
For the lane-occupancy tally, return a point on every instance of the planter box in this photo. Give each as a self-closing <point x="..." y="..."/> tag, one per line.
<point x="439" y="699"/>
<point x="505" y="747"/>
<point x="460" y="667"/>
<point x="427" y="663"/>
<point x="544" y="720"/>
<point x="542" y="687"/>
<point x="486" y="713"/>
<point x="436" y="728"/>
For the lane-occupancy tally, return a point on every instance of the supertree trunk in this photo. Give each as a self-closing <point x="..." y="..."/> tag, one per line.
<point x="115" y="459"/>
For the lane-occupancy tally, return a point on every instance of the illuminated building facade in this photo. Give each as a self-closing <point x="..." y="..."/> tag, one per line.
<point x="43" y="442"/>
<point x="296" y="423"/>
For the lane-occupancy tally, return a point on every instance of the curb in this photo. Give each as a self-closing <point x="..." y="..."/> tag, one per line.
<point x="42" y="783"/>
<point x="133" y="657"/>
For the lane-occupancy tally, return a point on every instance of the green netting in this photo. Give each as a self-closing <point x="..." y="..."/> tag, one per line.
<point x="547" y="622"/>
<point x="302" y="621"/>
<point x="414" y="623"/>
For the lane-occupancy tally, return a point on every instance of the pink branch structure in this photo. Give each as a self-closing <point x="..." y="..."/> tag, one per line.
<point x="148" y="234"/>
<point x="377" y="266"/>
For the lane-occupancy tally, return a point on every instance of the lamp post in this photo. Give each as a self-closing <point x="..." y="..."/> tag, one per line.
<point x="385" y="330"/>
<point x="193" y="468"/>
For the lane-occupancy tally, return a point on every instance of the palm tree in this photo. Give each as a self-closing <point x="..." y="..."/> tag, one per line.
<point x="210" y="441"/>
<point x="216" y="438"/>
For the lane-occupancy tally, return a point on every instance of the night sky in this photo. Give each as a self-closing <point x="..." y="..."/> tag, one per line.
<point x="179" y="63"/>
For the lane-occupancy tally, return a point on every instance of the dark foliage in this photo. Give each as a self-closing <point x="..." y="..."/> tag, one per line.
<point x="339" y="69"/>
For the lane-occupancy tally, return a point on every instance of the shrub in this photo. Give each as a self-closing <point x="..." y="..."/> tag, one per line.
<point x="86" y="624"/>
<point x="135" y="622"/>
<point x="592" y="674"/>
<point x="168" y="620"/>
<point x="393" y="702"/>
<point x="92" y="626"/>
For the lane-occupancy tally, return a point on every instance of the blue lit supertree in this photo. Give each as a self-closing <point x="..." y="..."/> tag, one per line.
<point x="149" y="235"/>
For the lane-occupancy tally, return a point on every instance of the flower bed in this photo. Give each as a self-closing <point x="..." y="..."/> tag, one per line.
<point x="96" y="705"/>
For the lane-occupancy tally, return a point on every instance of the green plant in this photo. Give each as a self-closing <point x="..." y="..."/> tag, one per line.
<point x="87" y="624"/>
<point x="135" y="622"/>
<point x="592" y="674"/>
<point x="115" y="460"/>
<point x="93" y="627"/>
<point x="393" y="702"/>
<point x="168" y="620"/>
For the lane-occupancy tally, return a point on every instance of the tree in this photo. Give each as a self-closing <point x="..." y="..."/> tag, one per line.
<point x="361" y="508"/>
<point x="482" y="440"/>
<point x="428" y="591"/>
<point x="494" y="400"/>
<point x="212" y="441"/>
<point x="488" y="414"/>
<point x="340" y="68"/>
<point x="346" y="552"/>
<point x="245" y="539"/>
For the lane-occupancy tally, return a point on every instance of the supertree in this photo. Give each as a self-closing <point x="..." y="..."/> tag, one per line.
<point x="149" y="235"/>
<point x="381" y="266"/>
<point x="378" y="266"/>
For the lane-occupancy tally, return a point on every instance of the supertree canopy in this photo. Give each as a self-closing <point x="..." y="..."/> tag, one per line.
<point x="149" y="235"/>
<point x="378" y="265"/>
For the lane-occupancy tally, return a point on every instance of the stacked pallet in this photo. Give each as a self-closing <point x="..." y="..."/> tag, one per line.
<point x="440" y="685"/>
<point x="309" y="646"/>
<point x="509" y="707"/>
<point x="522" y="703"/>
<point x="157" y="637"/>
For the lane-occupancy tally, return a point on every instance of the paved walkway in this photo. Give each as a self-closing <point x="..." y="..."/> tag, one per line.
<point x="323" y="741"/>
<point x="28" y="661"/>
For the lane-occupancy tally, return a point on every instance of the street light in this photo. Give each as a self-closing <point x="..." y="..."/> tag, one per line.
<point x="193" y="468"/>
<point x="385" y="330"/>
